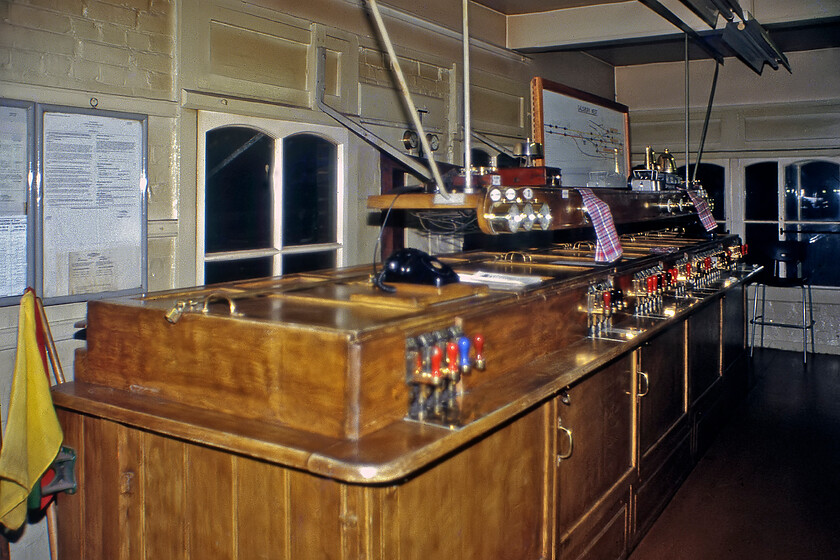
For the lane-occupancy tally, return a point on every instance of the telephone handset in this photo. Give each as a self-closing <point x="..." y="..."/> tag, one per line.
<point x="412" y="266"/>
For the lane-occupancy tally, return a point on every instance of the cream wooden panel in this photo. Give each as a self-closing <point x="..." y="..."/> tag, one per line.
<point x="250" y="52"/>
<point x="742" y="129"/>
<point x="498" y="111"/>
<point x="814" y="127"/>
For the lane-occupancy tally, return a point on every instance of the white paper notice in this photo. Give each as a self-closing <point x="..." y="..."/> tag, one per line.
<point x="14" y="161"/>
<point x="12" y="255"/>
<point x="93" y="196"/>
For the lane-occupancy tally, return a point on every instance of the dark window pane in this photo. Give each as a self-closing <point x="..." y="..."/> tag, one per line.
<point x="759" y="239"/>
<point x="822" y="247"/>
<point x="303" y="262"/>
<point x="762" y="196"/>
<point x="227" y="271"/>
<point x="812" y="191"/>
<point x="480" y="158"/>
<point x="309" y="190"/>
<point x="713" y="178"/>
<point x="238" y="212"/>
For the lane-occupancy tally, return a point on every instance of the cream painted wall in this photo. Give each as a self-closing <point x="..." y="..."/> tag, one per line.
<point x="775" y="115"/>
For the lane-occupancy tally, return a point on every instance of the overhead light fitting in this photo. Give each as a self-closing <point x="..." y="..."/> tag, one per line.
<point x="747" y="39"/>
<point x="753" y="45"/>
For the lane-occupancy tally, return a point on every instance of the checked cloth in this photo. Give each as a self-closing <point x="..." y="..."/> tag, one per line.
<point x="702" y="207"/>
<point x="607" y="247"/>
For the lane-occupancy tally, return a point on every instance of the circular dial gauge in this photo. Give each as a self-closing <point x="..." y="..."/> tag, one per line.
<point x="410" y="140"/>
<point x="434" y="141"/>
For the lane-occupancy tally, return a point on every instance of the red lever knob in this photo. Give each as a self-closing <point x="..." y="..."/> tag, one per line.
<point x="437" y="357"/>
<point x="452" y="355"/>
<point x="688" y="269"/>
<point x="478" y="344"/>
<point x="607" y="300"/>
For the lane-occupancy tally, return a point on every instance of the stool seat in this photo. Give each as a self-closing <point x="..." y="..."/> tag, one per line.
<point x="785" y="282"/>
<point x="786" y="256"/>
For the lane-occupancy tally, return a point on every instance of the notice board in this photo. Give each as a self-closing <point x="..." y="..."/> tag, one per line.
<point x="586" y="136"/>
<point x="92" y="238"/>
<point x="16" y="217"/>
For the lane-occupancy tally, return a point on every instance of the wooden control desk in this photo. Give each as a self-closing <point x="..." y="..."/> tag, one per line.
<point x="274" y="425"/>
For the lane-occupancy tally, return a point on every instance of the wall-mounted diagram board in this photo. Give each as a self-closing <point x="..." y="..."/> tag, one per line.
<point x="586" y="136"/>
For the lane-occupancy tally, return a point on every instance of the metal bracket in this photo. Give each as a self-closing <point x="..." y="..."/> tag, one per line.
<point x="64" y="479"/>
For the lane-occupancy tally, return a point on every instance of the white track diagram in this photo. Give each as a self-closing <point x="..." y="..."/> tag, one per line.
<point x="597" y="142"/>
<point x="583" y="139"/>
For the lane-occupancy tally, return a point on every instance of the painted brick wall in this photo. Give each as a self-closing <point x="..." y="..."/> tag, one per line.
<point x="125" y="47"/>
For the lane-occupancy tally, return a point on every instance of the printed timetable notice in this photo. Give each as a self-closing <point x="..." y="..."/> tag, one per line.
<point x="94" y="186"/>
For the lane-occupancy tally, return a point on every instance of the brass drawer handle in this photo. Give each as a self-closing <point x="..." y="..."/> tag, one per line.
<point x="568" y="432"/>
<point x="643" y="375"/>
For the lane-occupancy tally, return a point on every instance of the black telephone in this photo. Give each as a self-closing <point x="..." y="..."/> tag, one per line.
<point x="412" y="266"/>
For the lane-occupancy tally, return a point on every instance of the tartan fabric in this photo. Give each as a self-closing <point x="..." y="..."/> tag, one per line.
<point x="607" y="247"/>
<point x="702" y="207"/>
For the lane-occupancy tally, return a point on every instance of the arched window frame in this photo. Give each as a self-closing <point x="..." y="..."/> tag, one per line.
<point x="278" y="130"/>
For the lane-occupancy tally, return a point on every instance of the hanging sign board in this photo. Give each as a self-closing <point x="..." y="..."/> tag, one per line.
<point x="93" y="171"/>
<point x="586" y="136"/>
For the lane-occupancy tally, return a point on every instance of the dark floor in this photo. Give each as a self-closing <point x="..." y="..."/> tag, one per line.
<point x="769" y="486"/>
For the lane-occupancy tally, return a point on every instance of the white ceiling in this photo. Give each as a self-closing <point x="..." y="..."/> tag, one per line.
<point x="627" y="32"/>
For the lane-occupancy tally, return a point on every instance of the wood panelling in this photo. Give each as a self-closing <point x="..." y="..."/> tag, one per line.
<point x="704" y="349"/>
<point x="599" y="416"/>
<point x="450" y="511"/>
<point x="261" y="495"/>
<point x="163" y="472"/>
<point x="662" y="359"/>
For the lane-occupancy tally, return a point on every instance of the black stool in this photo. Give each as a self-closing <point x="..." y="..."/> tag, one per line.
<point x="791" y="254"/>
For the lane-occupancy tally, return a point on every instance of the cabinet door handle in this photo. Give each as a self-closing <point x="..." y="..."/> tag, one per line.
<point x="643" y="375"/>
<point x="568" y="432"/>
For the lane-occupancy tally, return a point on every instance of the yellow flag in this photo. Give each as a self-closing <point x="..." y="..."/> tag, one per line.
<point x="33" y="436"/>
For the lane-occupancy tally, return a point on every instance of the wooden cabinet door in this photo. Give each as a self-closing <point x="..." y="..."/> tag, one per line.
<point x="733" y="325"/>
<point x="594" y="440"/>
<point x="662" y="381"/>
<point x="704" y="349"/>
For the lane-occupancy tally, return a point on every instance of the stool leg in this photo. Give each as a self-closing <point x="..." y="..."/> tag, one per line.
<point x="763" y="307"/>
<point x="754" y="318"/>
<point x="811" y="313"/>
<point x="804" y="326"/>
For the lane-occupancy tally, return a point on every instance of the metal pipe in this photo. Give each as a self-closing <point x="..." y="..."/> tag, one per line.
<point x="415" y="118"/>
<point x="467" y="110"/>
<point x="687" y="114"/>
<point x="706" y="121"/>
